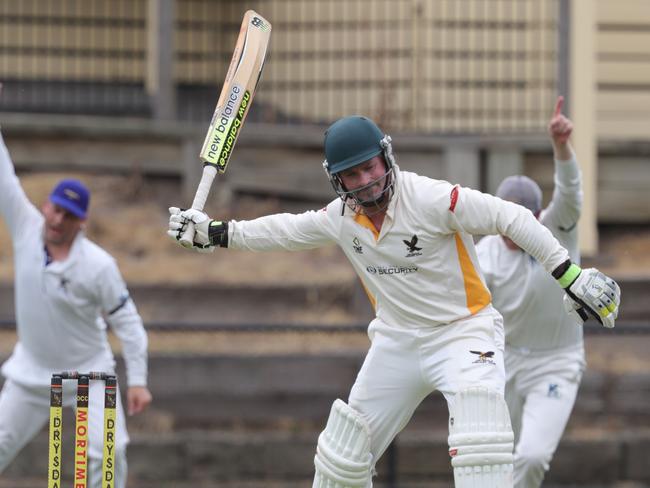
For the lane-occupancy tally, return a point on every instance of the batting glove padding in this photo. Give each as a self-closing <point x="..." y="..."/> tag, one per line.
<point x="208" y="233"/>
<point x="592" y="291"/>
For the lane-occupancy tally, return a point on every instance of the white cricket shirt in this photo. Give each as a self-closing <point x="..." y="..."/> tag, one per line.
<point x="526" y="295"/>
<point x="421" y="270"/>
<point x="60" y="306"/>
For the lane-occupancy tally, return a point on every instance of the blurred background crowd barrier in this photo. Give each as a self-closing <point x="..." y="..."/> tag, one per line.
<point x="450" y="66"/>
<point x="470" y="71"/>
<point x="446" y="66"/>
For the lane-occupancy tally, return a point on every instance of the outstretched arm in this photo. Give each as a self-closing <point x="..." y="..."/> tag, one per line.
<point x="479" y="213"/>
<point x="288" y="232"/>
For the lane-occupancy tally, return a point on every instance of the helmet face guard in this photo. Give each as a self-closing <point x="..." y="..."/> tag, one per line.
<point x="354" y="198"/>
<point x="352" y="141"/>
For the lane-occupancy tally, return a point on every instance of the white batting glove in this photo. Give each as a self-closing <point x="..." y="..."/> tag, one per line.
<point x="178" y="220"/>
<point x="593" y="292"/>
<point x="575" y="310"/>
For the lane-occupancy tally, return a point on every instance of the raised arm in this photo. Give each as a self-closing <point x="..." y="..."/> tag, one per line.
<point x="560" y="129"/>
<point x="563" y="212"/>
<point x="15" y="207"/>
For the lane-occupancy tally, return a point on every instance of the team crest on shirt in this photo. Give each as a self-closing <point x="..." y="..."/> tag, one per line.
<point x="484" y="357"/>
<point x="356" y="244"/>
<point x="553" y="390"/>
<point x="411" y="247"/>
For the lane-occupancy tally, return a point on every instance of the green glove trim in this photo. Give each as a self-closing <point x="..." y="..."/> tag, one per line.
<point x="569" y="276"/>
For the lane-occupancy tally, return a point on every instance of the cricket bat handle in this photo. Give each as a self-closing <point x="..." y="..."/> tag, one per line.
<point x="209" y="172"/>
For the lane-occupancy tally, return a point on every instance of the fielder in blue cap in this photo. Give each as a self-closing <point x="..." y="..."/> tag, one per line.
<point x="65" y="213"/>
<point x="68" y="292"/>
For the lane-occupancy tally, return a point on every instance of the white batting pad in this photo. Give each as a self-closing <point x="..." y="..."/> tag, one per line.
<point x="481" y="439"/>
<point x="343" y="458"/>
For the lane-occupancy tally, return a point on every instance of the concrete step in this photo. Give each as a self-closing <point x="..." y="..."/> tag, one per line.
<point x="184" y="304"/>
<point x="261" y="390"/>
<point x="225" y="387"/>
<point x="234" y="304"/>
<point x="298" y="389"/>
<point x="284" y="458"/>
<point x="40" y="483"/>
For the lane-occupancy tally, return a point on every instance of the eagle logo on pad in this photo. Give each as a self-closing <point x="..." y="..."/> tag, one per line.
<point x="484" y="357"/>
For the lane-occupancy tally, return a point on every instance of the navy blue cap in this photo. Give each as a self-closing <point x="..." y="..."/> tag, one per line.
<point x="71" y="195"/>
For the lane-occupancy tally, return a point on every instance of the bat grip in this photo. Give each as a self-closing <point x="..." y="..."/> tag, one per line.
<point x="209" y="172"/>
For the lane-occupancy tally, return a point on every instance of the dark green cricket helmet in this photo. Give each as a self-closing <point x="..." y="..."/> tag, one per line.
<point x="351" y="141"/>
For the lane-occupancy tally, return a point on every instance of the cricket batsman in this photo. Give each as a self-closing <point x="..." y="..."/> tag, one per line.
<point x="410" y="240"/>
<point x="544" y="352"/>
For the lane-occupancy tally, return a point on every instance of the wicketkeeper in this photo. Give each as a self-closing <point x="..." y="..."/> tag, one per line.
<point x="409" y="238"/>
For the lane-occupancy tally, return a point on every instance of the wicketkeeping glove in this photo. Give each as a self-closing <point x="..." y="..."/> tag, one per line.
<point x="589" y="291"/>
<point x="208" y="233"/>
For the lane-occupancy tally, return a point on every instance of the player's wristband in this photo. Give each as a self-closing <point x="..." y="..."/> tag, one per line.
<point x="218" y="233"/>
<point x="566" y="273"/>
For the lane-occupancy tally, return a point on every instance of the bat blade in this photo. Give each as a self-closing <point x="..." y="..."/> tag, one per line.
<point x="241" y="82"/>
<point x="239" y="87"/>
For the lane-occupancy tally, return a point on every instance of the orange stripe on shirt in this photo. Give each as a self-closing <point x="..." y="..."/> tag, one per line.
<point x="364" y="221"/>
<point x="477" y="295"/>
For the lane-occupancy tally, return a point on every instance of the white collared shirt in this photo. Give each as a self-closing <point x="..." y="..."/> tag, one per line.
<point x="421" y="270"/>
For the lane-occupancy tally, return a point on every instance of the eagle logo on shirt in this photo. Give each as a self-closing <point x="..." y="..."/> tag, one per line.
<point x="484" y="357"/>
<point x="411" y="247"/>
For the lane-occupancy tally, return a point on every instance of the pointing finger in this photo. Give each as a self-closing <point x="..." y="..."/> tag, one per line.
<point x="559" y="103"/>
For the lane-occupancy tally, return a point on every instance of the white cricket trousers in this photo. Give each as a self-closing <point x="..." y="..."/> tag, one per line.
<point x="541" y="389"/>
<point x="403" y="366"/>
<point x="24" y="411"/>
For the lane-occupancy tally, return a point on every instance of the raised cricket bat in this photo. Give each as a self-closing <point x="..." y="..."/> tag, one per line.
<point x="232" y="107"/>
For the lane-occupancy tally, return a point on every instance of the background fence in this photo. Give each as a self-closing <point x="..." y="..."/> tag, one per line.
<point x="451" y="66"/>
<point x="445" y="65"/>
